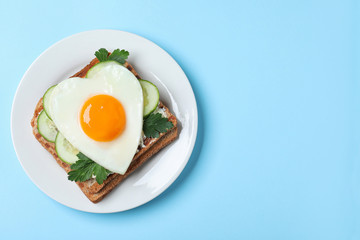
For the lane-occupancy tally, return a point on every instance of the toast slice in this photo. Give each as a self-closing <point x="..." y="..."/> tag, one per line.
<point x="96" y="192"/>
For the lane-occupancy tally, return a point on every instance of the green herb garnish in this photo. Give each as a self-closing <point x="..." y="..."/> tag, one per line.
<point x="155" y="124"/>
<point x="84" y="168"/>
<point x="117" y="55"/>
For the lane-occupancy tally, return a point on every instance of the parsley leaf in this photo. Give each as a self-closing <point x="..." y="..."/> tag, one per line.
<point x="102" y="54"/>
<point x="155" y="124"/>
<point x="84" y="168"/>
<point x="117" y="55"/>
<point x="101" y="173"/>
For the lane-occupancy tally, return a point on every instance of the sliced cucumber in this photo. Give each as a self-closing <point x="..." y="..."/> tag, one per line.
<point x="46" y="99"/>
<point x="65" y="150"/>
<point x="97" y="67"/>
<point x="151" y="96"/>
<point x="46" y="127"/>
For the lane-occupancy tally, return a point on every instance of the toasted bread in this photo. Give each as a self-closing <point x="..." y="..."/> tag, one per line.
<point x="96" y="192"/>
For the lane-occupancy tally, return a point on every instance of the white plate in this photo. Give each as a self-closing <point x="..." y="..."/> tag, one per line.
<point x="64" y="59"/>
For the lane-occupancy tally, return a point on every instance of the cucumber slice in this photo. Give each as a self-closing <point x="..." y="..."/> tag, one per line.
<point x="46" y="127"/>
<point x="97" y="67"/>
<point x="151" y="96"/>
<point x="65" y="150"/>
<point x="46" y="99"/>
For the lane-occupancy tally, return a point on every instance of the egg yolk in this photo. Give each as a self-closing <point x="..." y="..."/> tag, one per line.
<point x="102" y="118"/>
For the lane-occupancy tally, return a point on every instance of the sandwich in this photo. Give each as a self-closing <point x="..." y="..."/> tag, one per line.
<point x="103" y="123"/>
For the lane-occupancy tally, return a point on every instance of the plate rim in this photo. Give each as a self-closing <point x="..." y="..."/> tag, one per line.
<point x="165" y="186"/>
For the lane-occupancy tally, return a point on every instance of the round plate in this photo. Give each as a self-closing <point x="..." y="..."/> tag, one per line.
<point x="65" y="58"/>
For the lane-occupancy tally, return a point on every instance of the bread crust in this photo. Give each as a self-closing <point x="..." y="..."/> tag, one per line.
<point x="93" y="191"/>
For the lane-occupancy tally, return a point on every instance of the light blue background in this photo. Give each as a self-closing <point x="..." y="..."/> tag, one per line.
<point x="278" y="148"/>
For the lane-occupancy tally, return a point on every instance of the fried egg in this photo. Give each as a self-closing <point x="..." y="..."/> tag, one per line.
<point x="101" y="116"/>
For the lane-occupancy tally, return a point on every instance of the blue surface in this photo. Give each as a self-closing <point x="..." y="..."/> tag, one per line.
<point x="278" y="150"/>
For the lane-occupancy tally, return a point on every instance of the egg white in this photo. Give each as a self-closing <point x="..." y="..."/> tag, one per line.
<point x="68" y="98"/>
